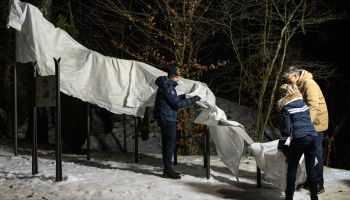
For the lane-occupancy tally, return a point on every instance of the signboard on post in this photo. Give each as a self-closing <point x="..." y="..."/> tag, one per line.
<point x="45" y="91"/>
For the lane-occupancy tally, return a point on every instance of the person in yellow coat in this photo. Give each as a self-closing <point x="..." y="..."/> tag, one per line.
<point x="315" y="100"/>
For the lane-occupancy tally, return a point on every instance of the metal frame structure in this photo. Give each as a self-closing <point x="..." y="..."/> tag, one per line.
<point x="58" y="138"/>
<point x="15" y="120"/>
<point x="206" y="152"/>
<point x="34" y="127"/>
<point x="58" y="147"/>
<point x="58" y="141"/>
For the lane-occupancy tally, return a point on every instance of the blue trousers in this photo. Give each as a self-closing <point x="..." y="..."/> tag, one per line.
<point x="305" y="145"/>
<point x="319" y="156"/>
<point x="168" y="131"/>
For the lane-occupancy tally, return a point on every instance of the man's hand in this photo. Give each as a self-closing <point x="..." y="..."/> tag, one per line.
<point x="196" y="98"/>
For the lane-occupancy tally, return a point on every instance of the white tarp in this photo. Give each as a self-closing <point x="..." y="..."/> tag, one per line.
<point x="121" y="86"/>
<point x="126" y="86"/>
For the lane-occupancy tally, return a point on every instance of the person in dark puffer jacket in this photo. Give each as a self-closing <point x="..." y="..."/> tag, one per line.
<point x="165" y="112"/>
<point x="296" y="123"/>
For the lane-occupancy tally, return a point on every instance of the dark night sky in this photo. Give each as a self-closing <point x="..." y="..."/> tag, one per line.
<point x="331" y="45"/>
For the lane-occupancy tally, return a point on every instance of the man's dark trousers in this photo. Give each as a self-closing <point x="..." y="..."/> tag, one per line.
<point x="319" y="156"/>
<point x="168" y="130"/>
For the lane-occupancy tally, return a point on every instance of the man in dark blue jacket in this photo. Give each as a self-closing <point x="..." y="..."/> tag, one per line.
<point x="165" y="112"/>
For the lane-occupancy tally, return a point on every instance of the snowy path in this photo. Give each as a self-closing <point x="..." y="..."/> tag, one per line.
<point x="115" y="176"/>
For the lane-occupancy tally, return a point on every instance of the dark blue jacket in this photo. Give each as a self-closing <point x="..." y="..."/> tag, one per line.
<point x="167" y="101"/>
<point x="296" y="121"/>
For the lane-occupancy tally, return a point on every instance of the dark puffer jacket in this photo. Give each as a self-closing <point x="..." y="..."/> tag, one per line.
<point x="296" y="120"/>
<point x="167" y="101"/>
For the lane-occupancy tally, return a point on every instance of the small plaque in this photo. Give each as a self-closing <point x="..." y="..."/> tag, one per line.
<point x="45" y="91"/>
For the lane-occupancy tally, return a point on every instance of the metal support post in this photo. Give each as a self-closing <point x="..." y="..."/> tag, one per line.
<point x="176" y="148"/>
<point x="207" y="152"/>
<point x="88" y="131"/>
<point x="136" y="141"/>
<point x="15" y="114"/>
<point x="35" y="124"/>
<point x="204" y="148"/>
<point x="58" y="123"/>
<point x="124" y="131"/>
<point x="15" y="120"/>
<point x="258" y="177"/>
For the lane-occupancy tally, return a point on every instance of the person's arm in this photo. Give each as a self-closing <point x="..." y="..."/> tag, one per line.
<point x="182" y="96"/>
<point x="285" y="131"/>
<point x="285" y="123"/>
<point x="175" y="101"/>
<point x="312" y="98"/>
<point x="186" y="102"/>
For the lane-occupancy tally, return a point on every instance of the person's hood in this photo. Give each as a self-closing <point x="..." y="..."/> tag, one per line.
<point x="287" y="99"/>
<point x="164" y="82"/>
<point x="304" y="75"/>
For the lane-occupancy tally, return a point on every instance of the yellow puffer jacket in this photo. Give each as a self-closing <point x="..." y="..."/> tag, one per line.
<point x="313" y="97"/>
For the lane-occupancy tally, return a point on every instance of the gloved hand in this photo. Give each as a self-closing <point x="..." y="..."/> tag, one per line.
<point x="196" y="98"/>
<point x="285" y="151"/>
<point x="282" y="147"/>
<point x="281" y="143"/>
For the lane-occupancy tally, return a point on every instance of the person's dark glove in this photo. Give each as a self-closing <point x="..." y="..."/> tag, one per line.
<point x="282" y="147"/>
<point x="285" y="151"/>
<point x="281" y="143"/>
<point x="196" y="98"/>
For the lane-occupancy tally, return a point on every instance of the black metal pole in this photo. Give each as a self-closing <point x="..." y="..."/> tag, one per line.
<point x="136" y="141"/>
<point x="258" y="177"/>
<point x="88" y="131"/>
<point x="124" y="131"/>
<point x="15" y="121"/>
<point x="15" y="114"/>
<point x="176" y="148"/>
<point x="117" y="141"/>
<point x="58" y="123"/>
<point x="35" y="124"/>
<point x="204" y="147"/>
<point x="207" y="151"/>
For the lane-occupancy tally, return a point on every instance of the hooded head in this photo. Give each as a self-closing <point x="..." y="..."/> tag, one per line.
<point x="289" y="89"/>
<point x="287" y="93"/>
<point x="172" y="71"/>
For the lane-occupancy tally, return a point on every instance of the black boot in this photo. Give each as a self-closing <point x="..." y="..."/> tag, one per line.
<point x="320" y="189"/>
<point x="170" y="173"/>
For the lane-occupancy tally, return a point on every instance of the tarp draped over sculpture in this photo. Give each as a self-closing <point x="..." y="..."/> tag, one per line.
<point x="121" y="86"/>
<point x="127" y="86"/>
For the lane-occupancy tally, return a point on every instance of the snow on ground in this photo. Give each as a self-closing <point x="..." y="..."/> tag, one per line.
<point x="113" y="175"/>
<point x="116" y="176"/>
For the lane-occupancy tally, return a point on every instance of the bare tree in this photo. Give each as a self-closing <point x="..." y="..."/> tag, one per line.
<point x="159" y="32"/>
